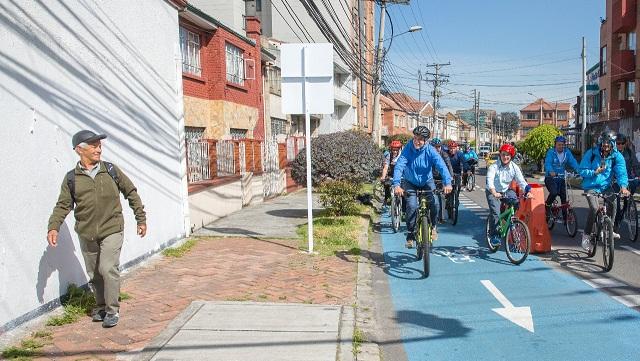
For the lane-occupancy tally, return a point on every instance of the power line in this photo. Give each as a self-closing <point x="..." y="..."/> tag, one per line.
<point x="518" y="67"/>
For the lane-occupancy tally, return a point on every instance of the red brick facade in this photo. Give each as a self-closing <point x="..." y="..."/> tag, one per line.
<point x="213" y="84"/>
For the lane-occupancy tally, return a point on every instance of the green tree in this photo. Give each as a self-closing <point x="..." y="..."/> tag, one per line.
<point x="510" y="122"/>
<point x="538" y="141"/>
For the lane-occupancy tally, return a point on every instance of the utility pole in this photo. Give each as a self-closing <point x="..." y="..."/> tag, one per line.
<point x="540" y="112"/>
<point x="584" y="96"/>
<point x="438" y="79"/>
<point x="363" y="84"/>
<point x="378" y="83"/>
<point x="476" y="106"/>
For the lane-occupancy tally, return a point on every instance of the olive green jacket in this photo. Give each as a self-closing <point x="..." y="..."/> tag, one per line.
<point x="98" y="211"/>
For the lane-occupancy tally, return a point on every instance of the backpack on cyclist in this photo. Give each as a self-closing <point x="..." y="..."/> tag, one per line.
<point x="71" y="180"/>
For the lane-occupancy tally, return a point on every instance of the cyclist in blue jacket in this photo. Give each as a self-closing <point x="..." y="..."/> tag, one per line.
<point x="458" y="165"/>
<point x="471" y="159"/>
<point x="598" y="167"/>
<point x="414" y="168"/>
<point x="555" y="164"/>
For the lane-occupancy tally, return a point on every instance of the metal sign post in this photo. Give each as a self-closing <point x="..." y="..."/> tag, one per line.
<point x="307" y="87"/>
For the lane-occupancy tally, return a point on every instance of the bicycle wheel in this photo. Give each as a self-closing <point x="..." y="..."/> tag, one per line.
<point x="518" y="242"/>
<point x="492" y="248"/>
<point x="419" y="243"/>
<point x="426" y="248"/>
<point x="471" y="182"/>
<point x="607" y="243"/>
<point x="378" y="191"/>
<point x="442" y="207"/>
<point x="396" y="213"/>
<point x="631" y="217"/>
<point x="571" y="223"/>
<point x="550" y="214"/>
<point x="454" y="208"/>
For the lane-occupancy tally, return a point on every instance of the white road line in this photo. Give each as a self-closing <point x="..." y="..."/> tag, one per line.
<point x="628" y="300"/>
<point x="473" y="207"/>
<point x="604" y="283"/>
<point x="631" y="249"/>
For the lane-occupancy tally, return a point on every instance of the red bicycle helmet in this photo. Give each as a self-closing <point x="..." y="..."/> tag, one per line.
<point x="396" y="144"/>
<point x="509" y="149"/>
<point x="452" y="144"/>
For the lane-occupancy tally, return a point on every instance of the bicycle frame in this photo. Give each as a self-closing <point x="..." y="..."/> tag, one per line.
<point x="504" y="221"/>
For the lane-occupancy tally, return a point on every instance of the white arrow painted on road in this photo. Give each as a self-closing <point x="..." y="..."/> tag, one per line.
<point x="521" y="316"/>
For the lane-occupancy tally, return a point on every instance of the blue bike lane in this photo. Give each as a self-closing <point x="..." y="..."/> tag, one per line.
<point x="451" y="316"/>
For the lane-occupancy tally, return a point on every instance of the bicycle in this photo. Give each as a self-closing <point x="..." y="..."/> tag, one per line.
<point x="470" y="179"/>
<point x="556" y="211"/>
<point x="603" y="231"/>
<point x="513" y="232"/>
<point x="423" y="230"/>
<point x="396" y="212"/>
<point x="453" y="200"/>
<point x="441" y="200"/>
<point x="630" y="216"/>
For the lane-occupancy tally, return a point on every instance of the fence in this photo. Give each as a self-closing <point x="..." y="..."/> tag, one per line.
<point x="198" y="161"/>
<point x="271" y="168"/>
<point x="225" y="158"/>
<point x="294" y="146"/>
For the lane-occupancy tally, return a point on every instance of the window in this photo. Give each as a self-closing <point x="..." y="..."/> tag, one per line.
<point x="278" y="126"/>
<point x="258" y="5"/>
<point x="562" y="116"/>
<point x="631" y="41"/>
<point x="274" y="80"/>
<point x="532" y="116"/>
<point x="603" y="60"/>
<point x="235" y="64"/>
<point x="396" y="120"/>
<point x="194" y="134"/>
<point x="604" y="100"/>
<point x="237" y="133"/>
<point x="631" y="90"/>
<point x="190" y="50"/>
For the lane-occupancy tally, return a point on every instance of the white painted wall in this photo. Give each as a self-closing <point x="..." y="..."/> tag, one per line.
<point x="228" y="12"/>
<point x="111" y="66"/>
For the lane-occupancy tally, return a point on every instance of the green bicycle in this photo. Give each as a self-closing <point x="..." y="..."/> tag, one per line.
<point x="513" y="232"/>
<point x="423" y="230"/>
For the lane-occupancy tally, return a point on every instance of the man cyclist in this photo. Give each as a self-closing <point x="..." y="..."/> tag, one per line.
<point x="598" y="167"/>
<point x="499" y="176"/>
<point x="458" y="165"/>
<point x="437" y="144"/>
<point x="555" y="164"/>
<point x="414" y="168"/>
<point x="633" y="171"/>
<point x="390" y="159"/>
<point x="471" y="158"/>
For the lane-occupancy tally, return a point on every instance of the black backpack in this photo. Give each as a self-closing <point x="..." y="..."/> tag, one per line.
<point x="71" y="180"/>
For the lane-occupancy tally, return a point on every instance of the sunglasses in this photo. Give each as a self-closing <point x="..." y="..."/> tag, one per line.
<point x="620" y="143"/>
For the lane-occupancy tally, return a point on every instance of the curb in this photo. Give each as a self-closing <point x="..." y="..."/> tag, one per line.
<point x="365" y="320"/>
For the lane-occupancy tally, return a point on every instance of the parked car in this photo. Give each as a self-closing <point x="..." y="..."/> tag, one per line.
<point x="483" y="150"/>
<point x="491" y="157"/>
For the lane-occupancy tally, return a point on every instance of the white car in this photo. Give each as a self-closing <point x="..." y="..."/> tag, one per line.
<point x="483" y="150"/>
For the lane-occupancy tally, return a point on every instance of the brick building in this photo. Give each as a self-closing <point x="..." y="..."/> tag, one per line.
<point x="542" y="112"/>
<point x="222" y="78"/>
<point x="395" y="120"/>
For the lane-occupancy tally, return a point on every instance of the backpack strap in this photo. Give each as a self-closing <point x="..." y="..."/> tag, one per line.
<point x="112" y="172"/>
<point x="71" y="184"/>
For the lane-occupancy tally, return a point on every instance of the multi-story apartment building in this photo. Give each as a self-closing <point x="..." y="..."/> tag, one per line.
<point x="395" y="119"/>
<point x="542" y="112"/>
<point x="485" y="119"/>
<point x="618" y="70"/>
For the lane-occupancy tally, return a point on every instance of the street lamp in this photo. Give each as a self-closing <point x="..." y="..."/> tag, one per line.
<point x="533" y="95"/>
<point x="377" y="121"/>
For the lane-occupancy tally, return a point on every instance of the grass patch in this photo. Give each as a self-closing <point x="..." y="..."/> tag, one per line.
<point x="76" y="303"/>
<point x="358" y="339"/>
<point x="28" y="348"/>
<point x="124" y="296"/>
<point x="332" y="234"/>
<point x="179" y="251"/>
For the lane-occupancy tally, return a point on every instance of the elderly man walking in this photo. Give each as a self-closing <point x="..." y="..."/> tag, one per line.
<point x="93" y="189"/>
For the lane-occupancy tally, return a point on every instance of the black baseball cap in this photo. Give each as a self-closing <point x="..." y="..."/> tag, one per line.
<point x="85" y="136"/>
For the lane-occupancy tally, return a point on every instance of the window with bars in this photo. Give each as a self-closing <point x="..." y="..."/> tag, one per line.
<point x="237" y="133"/>
<point x="235" y="64"/>
<point x="194" y="134"/>
<point x="275" y="80"/>
<point x="278" y="126"/>
<point x="190" y="50"/>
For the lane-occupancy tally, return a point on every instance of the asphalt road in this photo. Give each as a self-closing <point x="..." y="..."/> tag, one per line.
<point x="478" y="306"/>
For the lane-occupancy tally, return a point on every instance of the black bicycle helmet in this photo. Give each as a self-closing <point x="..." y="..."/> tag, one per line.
<point x="621" y="137"/>
<point x="422" y="131"/>
<point x="607" y="136"/>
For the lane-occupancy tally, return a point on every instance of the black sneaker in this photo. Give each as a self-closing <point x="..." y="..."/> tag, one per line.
<point x="98" y="316"/>
<point x="110" y="320"/>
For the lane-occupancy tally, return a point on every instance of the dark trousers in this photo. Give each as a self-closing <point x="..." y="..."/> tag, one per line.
<point x="494" y="212"/>
<point x="593" y="207"/>
<point x="412" y="204"/>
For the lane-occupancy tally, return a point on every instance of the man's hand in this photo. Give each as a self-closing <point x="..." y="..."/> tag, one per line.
<point x="599" y="170"/>
<point x="398" y="191"/>
<point x="528" y="195"/>
<point x="496" y="194"/>
<point x="142" y="230"/>
<point x="447" y="189"/>
<point x="553" y="174"/>
<point x="624" y="191"/>
<point x="52" y="237"/>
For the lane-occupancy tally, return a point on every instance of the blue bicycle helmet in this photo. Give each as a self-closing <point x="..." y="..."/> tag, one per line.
<point x="560" y="139"/>
<point x="436" y="141"/>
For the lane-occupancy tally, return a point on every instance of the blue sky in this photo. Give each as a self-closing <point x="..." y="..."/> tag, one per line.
<point x="533" y="44"/>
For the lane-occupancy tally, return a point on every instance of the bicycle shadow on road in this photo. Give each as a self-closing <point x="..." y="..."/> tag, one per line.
<point x="445" y="327"/>
<point x="396" y="264"/>
<point x="573" y="260"/>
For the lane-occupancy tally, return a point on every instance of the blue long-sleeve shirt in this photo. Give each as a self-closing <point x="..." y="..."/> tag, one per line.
<point x="557" y="163"/>
<point x="458" y="162"/>
<point x="613" y="166"/>
<point x="414" y="165"/>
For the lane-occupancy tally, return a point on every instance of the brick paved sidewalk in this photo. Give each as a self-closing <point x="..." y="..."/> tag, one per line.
<point x="229" y="269"/>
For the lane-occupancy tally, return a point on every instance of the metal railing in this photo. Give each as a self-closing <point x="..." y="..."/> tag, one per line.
<point x="225" y="159"/>
<point x="198" y="161"/>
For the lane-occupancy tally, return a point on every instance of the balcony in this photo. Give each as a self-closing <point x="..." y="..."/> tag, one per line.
<point x="623" y="17"/>
<point x="625" y="61"/>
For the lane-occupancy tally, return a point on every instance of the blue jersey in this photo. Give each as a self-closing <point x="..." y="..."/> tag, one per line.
<point x="415" y="166"/>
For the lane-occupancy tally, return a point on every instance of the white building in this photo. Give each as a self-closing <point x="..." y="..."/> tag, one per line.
<point x="109" y="66"/>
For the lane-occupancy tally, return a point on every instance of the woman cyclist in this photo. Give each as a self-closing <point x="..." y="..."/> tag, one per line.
<point x="390" y="159"/>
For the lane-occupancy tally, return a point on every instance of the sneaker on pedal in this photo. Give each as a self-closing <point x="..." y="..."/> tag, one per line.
<point x="495" y="241"/>
<point x="586" y="242"/>
<point x="616" y="235"/>
<point x="434" y="234"/>
<point x="409" y="243"/>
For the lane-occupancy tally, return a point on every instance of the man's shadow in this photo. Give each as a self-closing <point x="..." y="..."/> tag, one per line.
<point x="63" y="260"/>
